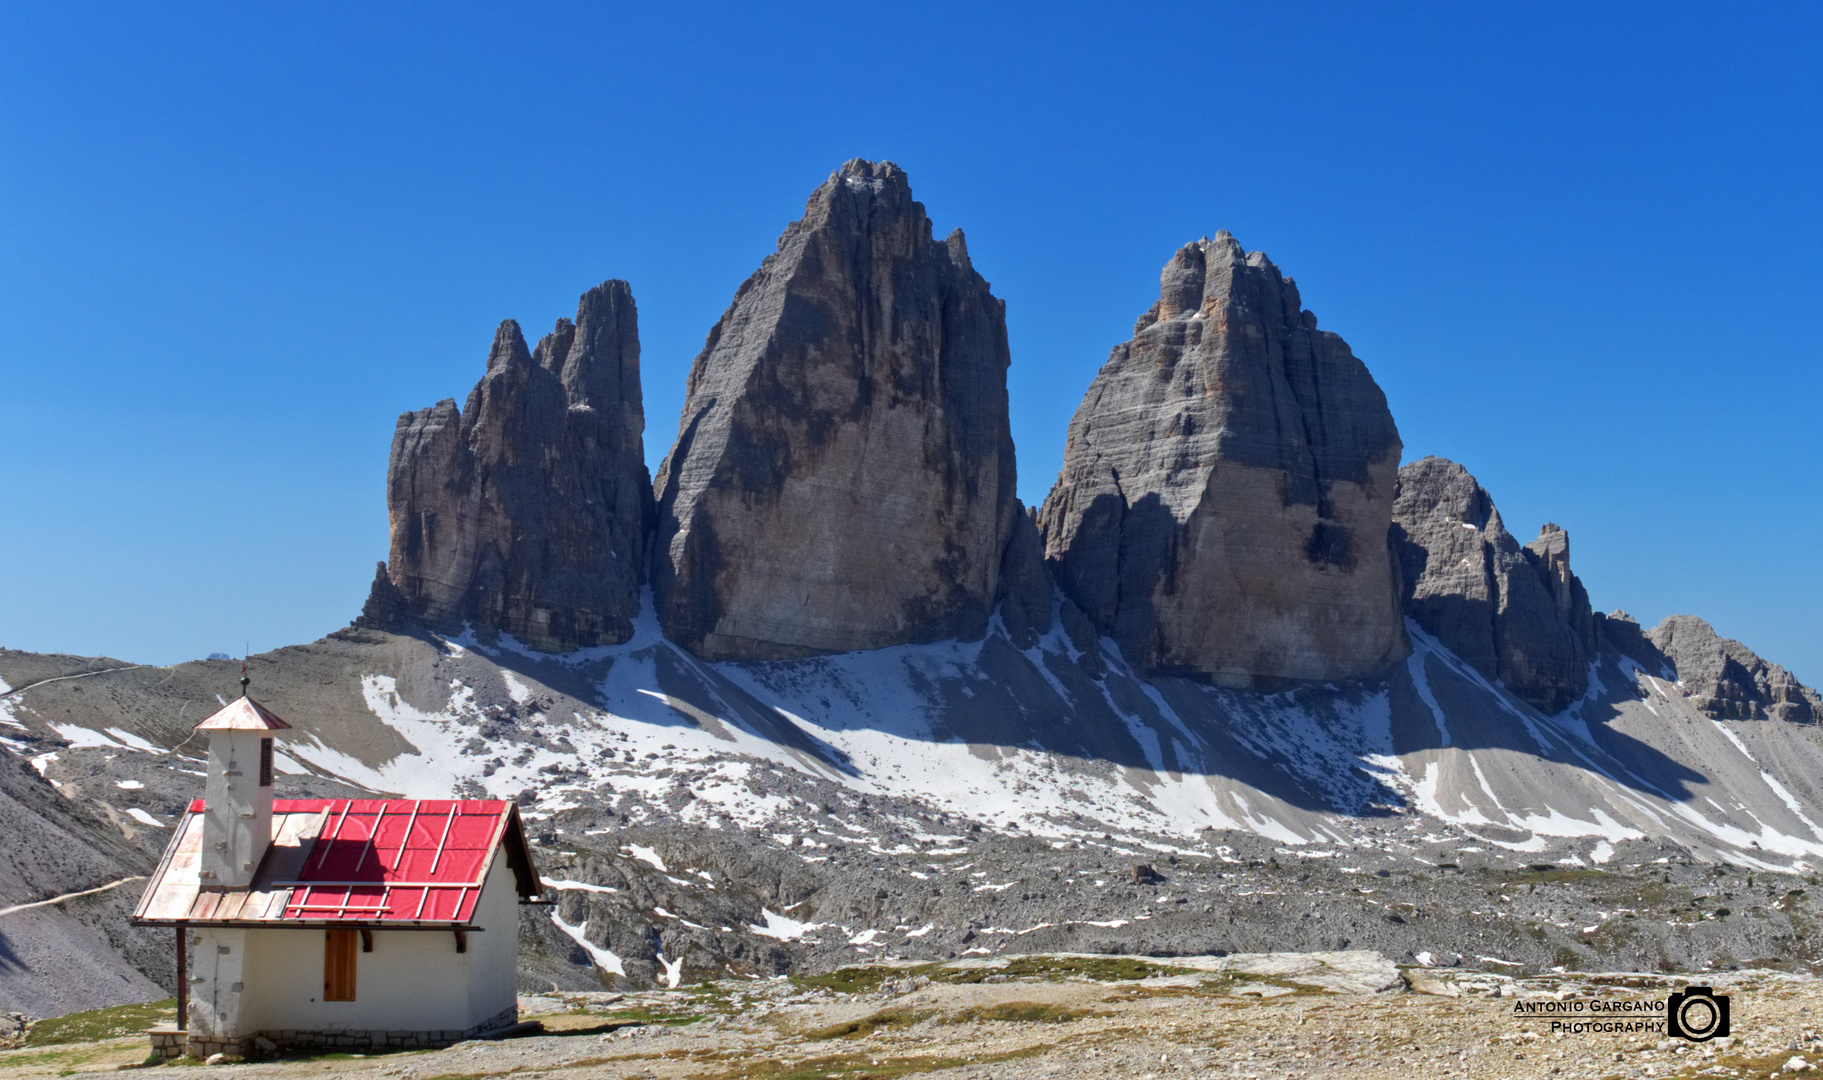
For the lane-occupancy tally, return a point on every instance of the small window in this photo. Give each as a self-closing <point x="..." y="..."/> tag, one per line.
<point x="265" y="763"/>
<point x="338" y="964"/>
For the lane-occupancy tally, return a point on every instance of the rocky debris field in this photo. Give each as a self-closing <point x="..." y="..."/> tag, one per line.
<point x="1256" y="1016"/>
<point x="698" y="821"/>
<point x="834" y="894"/>
<point x="656" y="883"/>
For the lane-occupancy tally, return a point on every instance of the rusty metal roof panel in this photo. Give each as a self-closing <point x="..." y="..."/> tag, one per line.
<point x="243" y="714"/>
<point x="172" y="890"/>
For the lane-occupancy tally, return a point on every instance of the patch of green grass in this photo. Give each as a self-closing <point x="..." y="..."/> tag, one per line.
<point x="655" y="1016"/>
<point x="1099" y="968"/>
<point x="862" y="1067"/>
<point x="886" y="1019"/>
<point x="861" y="980"/>
<point x="117" y="1022"/>
<point x="19" y="1058"/>
<point x="1234" y="983"/>
<point x="612" y="1023"/>
<point x="1022" y="1012"/>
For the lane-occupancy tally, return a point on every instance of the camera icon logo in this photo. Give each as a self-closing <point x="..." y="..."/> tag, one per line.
<point x="1696" y="1013"/>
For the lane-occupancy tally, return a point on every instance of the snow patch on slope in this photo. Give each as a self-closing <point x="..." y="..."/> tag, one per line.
<point x="6" y="708"/>
<point x="1292" y="766"/>
<point x="602" y="958"/>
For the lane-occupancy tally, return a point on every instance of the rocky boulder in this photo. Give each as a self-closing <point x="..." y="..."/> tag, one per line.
<point x="527" y="511"/>
<point x="1517" y="614"/>
<point x="1227" y="486"/>
<point x="843" y="473"/>
<point x="1726" y="679"/>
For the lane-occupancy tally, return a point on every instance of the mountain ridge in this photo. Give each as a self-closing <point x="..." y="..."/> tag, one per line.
<point x="830" y="674"/>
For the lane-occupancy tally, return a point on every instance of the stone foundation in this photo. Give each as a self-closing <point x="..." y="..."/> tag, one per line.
<point x="168" y="1042"/>
<point x="171" y="1042"/>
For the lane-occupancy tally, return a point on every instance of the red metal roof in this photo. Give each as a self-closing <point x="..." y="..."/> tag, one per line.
<point x="353" y="860"/>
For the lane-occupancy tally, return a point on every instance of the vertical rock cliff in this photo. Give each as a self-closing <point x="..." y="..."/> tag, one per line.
<point x="843" y="474"/>
<point x="1517" y="614"/>
<point x="527" y="511"/>
<point x="1227" y="486"/>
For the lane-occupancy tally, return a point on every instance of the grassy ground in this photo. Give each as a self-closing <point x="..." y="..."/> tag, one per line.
<point x="98" y="1024"/>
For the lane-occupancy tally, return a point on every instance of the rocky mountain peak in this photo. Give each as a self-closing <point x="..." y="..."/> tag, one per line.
<point x="1227" y="486"/>
<point x="1726" y="679"/>
<point x="1516" y="614"/>
<point x="589" y="356"/>
<point x="1550" y="555"/>
<point x="859" y="174"/>
<point x="508" y="351"/>
<point x="526" y="511"/>
<point x="1213" y="271"/>
<point x="843" y="475"/>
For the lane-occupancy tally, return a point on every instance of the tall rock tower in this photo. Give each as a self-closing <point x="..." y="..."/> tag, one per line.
<point x="1227" y="487"/>
<point x="1516" y="614"/>
<point x="843" y="473"/>
<point x="527" y="511"/>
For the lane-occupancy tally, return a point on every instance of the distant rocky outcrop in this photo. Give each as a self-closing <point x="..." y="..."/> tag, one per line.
<point x="1517" y="614"/>
<point x="527" y="511"/>
<point x="843" y="474"/>
<point x="1228" y="484"/>
<point x="1726" y="679"/>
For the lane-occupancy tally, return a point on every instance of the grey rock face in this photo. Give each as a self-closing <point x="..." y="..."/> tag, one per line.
<point x="527" y="511"/>
<point x="1726" y="679"/>
<point x="843" y="474"/>
<point x="1516" y="614"/>
<point x="1227" y="486"/>
<point x="1550" y="556"/>
<point x="1025" y="584"/>
<point x="1622" y="633"/>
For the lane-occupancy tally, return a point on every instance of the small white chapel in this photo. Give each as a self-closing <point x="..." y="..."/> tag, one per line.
<point x="334" y="923"/>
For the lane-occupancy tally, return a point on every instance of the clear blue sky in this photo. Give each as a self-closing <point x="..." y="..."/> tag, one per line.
<point x="1579" y="246"/>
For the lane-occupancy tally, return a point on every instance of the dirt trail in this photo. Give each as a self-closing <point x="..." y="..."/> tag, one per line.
<point x="71" y="895"/>
<point x="17" y="690"/>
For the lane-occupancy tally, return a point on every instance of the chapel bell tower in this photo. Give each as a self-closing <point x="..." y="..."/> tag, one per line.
<point x="237" y="813"/>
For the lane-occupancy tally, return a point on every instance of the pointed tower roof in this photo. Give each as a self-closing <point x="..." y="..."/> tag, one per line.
<point x="243" y="714"/>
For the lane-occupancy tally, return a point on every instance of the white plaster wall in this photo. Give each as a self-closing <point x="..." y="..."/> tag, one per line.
<point x="237" y="812"/>
<point x="220" y="963"/>
<point x="494" y="986"/>
<point x="414" y="980"/>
